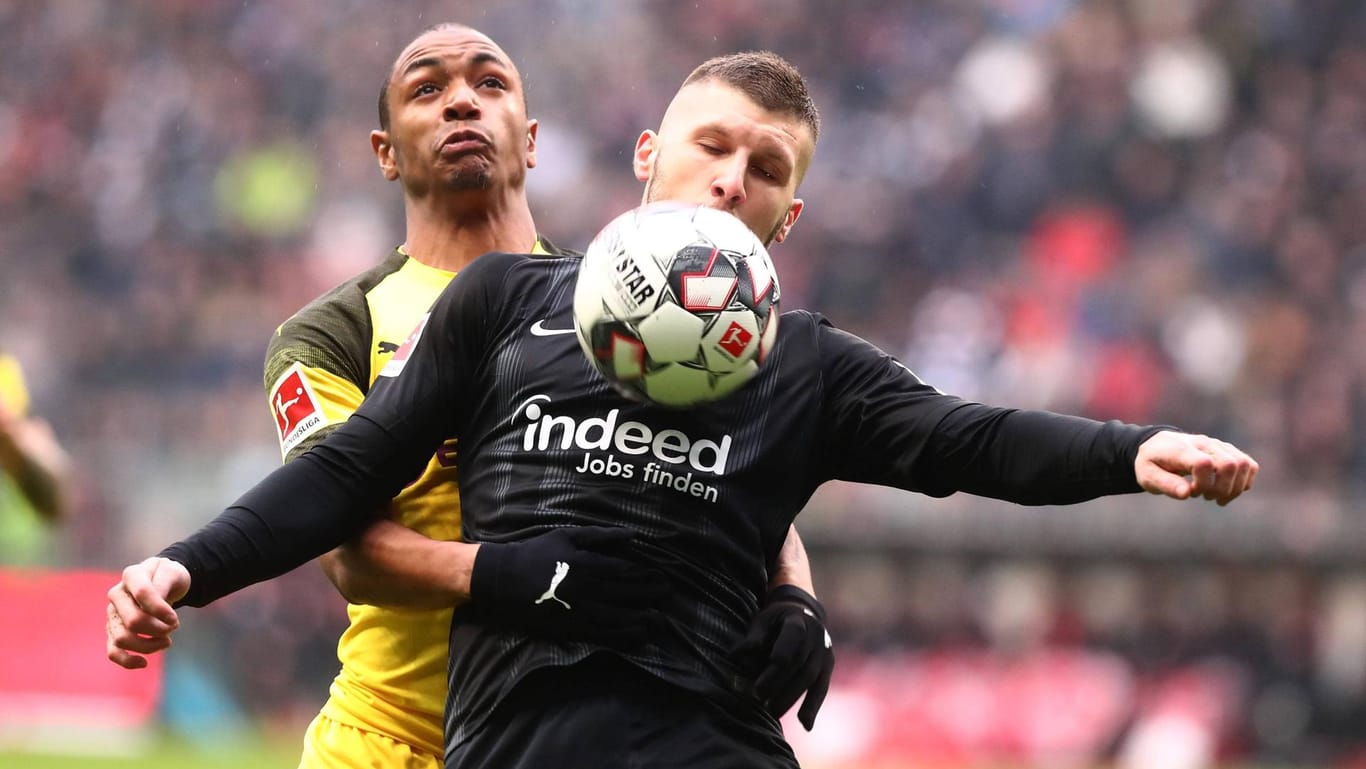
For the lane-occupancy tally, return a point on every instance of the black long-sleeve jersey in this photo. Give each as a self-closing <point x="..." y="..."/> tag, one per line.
<point x="710" y="491"/>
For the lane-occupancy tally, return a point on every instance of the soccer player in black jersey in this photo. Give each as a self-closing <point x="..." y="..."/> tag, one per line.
<point x="532" y="417"/>
<point x="453" y="128"/>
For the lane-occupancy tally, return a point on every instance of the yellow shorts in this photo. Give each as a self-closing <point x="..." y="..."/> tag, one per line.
<point x="331" y="744"/>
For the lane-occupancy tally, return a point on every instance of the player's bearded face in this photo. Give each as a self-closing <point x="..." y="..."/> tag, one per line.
<point x="424" y="168"/>
<point x="470" y="176"/>
<point x="459" y="112"/>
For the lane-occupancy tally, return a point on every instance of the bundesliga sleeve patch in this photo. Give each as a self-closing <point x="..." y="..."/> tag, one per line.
<point x="395" y="365"/>
<point x="298" y="413"/>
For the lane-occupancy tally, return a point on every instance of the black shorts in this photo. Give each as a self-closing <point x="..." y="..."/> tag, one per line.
<point x="605" y="713"/>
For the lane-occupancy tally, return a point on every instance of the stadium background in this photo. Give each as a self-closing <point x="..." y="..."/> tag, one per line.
<point x="1146" y="209"/>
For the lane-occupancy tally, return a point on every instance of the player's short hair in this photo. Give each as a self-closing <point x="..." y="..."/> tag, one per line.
<point x="768" y="79"/>
<point x="384" y="102"/>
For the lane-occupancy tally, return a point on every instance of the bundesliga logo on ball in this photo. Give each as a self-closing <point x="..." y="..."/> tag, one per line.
<point x="676" y="304"/>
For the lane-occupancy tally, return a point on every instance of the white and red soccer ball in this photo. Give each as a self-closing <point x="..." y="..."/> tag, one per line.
<point x="676" y="304"/>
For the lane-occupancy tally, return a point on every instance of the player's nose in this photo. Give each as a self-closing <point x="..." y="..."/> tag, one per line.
<point x="462" y="102"/>
<point x="729" y="183"/>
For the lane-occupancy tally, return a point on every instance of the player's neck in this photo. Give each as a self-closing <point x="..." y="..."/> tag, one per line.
<point x="450" y="241"/>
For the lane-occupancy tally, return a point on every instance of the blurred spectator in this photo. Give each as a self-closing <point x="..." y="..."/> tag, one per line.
<point x="33" y="470"/>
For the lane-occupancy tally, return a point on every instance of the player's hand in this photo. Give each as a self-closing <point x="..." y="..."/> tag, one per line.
<point x="1181" y="466"/>
<point x="787" y="651"/>
<point x="573" y="583"/>
<point x="139" y="618"/>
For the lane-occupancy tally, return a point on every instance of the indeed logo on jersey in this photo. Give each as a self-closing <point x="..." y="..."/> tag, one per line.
<point x="672" y="458"/>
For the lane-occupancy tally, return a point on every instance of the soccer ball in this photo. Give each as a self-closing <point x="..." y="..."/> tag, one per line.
<point x="676" y="304"/>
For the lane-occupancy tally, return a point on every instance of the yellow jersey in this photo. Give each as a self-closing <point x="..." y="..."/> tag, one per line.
<point x="319" y="366"/>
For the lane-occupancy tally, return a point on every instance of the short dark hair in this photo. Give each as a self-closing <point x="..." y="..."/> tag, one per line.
<point x="384" y="102"/>
<point x="767" y="78"/>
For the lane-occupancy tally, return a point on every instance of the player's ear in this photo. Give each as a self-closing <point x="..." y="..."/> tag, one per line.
<point x="384" y="154"/>
<point x="793" y="211"/>
<point x="644" y="159"/>
<point x="531" y="126"/>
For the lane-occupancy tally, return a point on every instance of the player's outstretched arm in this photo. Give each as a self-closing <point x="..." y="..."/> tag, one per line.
<point x="389" y="564"/>
<point x="787" y="652"/>
<point x="1182" y="465"/>
<point x="139" y="618"/>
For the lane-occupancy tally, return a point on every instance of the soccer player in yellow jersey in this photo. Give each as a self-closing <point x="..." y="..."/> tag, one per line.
<point x="385" y="706"/>
<point x="462" y="160"/>
<point x="32" y="465"/>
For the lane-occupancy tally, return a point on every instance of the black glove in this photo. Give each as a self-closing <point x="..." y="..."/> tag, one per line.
<point x="787" y="651"/>
<point x="571" y="584"/>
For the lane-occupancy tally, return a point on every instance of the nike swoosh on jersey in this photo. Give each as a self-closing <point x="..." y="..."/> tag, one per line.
<point x="538" y="329"/>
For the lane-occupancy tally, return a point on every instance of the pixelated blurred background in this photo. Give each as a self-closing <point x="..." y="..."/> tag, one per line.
<point x="1152" y="210"/>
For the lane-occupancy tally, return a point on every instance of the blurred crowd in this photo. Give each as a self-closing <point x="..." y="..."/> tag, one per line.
<point x="1152" y="210"/>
